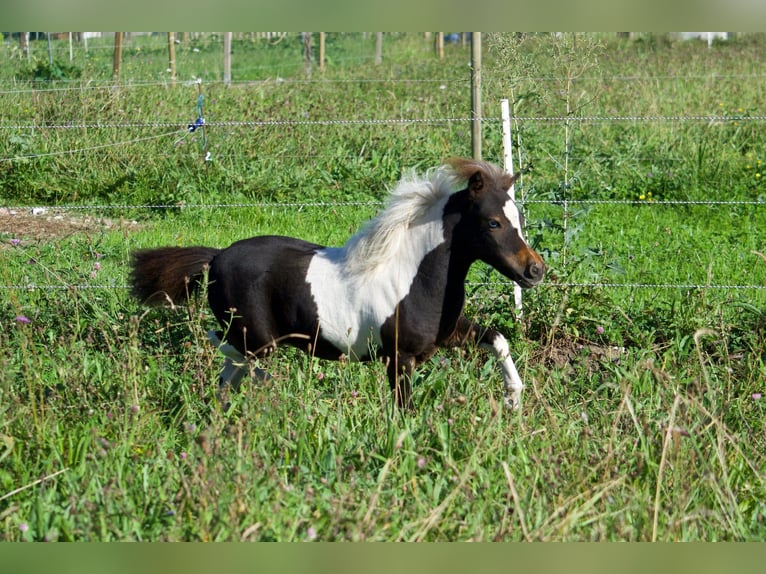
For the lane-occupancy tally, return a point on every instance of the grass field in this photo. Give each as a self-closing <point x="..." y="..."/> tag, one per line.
<point x="643" y="416"/>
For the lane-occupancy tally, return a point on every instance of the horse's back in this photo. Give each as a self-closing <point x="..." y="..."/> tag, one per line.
<point x="267" y="261"/>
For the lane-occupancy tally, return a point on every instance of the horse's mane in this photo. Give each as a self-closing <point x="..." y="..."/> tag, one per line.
<point x="415" y="200"/>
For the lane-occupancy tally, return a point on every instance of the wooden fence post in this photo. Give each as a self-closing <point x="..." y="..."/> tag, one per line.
<point x="307" y="55"/>
<point x="172" y="56"/>
<point x="117" y="56"/>
<point x="24" y="42"/>
<point x="439" y="45"/>
<point x="321" y="50"/>
<point x="378" y="48"/>
<point x="476" y="95"/>
<point x="227" y="58"/>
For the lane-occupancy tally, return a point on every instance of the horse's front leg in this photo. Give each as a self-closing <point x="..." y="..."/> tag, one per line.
<point x="468" y="331"/>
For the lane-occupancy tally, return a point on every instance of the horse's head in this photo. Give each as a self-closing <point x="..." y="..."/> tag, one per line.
<point x="496" y="223"/>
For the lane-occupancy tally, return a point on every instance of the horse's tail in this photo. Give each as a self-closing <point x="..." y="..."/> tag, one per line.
<point x="168" y="274"/>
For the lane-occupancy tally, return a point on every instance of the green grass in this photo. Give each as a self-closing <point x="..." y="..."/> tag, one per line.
<point x="642" y="416"/>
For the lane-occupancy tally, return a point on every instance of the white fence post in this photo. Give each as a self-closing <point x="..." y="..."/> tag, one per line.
<point x="505" y="110"/>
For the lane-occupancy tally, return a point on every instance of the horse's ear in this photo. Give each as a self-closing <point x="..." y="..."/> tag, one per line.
<point x="476" y="185"/>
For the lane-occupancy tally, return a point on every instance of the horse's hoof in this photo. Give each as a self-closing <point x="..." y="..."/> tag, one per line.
<point x="512" y="403"/>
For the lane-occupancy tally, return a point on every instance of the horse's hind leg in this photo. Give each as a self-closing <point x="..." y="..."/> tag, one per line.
<point x="235" y="365"/>
<point x="493" y="340"/>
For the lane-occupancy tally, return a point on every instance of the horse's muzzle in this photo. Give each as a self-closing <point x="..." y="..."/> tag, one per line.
<point x="533" y="273"/>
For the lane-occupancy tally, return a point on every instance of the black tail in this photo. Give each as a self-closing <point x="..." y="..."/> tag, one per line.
<point x="168" y="274"/>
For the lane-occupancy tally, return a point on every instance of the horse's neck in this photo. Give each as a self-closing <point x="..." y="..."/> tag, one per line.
<point x="445" y="268"/>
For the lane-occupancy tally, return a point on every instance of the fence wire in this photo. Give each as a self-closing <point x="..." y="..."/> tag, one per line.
<point x="181" y="127"/>
<point x="390" y="121"/>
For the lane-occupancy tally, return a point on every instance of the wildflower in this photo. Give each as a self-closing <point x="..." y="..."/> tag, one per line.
<point x="421" y="462"/>
<point x="642" y="197"/>
<point x="311" y="533"/>
<point x="354" y="394"/>
<point x="23" y="526"/>
<point x="15" y="241"/>
<point x="320" y="376"/>
<point x="756" y="396"/>
<point x="22" y="319"/>
<point x="600" y="330"/>
<point x="97" y="266"/>
<point x="183" y="456"/>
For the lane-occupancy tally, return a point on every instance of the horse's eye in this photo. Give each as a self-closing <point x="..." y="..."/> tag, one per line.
<point x="493" y="224"/>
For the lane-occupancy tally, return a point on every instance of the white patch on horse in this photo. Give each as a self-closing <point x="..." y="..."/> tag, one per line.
<point x="357" y="287"/>
<point x="511" y="379"/>
<point x="511" y="211"/>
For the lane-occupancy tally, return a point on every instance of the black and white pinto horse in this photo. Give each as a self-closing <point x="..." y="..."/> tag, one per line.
<point x="395" y="291"/>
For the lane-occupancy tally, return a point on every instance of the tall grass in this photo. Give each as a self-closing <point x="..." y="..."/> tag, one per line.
<point x="643" y="413"/>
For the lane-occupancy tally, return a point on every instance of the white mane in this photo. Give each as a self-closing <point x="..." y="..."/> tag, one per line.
<point x="416" y="200"/>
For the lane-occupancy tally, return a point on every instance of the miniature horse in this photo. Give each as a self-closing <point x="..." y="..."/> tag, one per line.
<point x="394" y="291"/>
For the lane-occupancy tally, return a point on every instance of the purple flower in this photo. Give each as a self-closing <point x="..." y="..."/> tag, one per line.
<point x="97" y="266"/>
<point x="600" y="330"/>
<point x="23" y="526"/>
<point x="421" y="462"/>
<point x="311" y="533"/>
<point x="756" y="396"/>
<point x="320" y="376"/>
<point x="15" y="241"/>
<point x="22" y="319"/>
